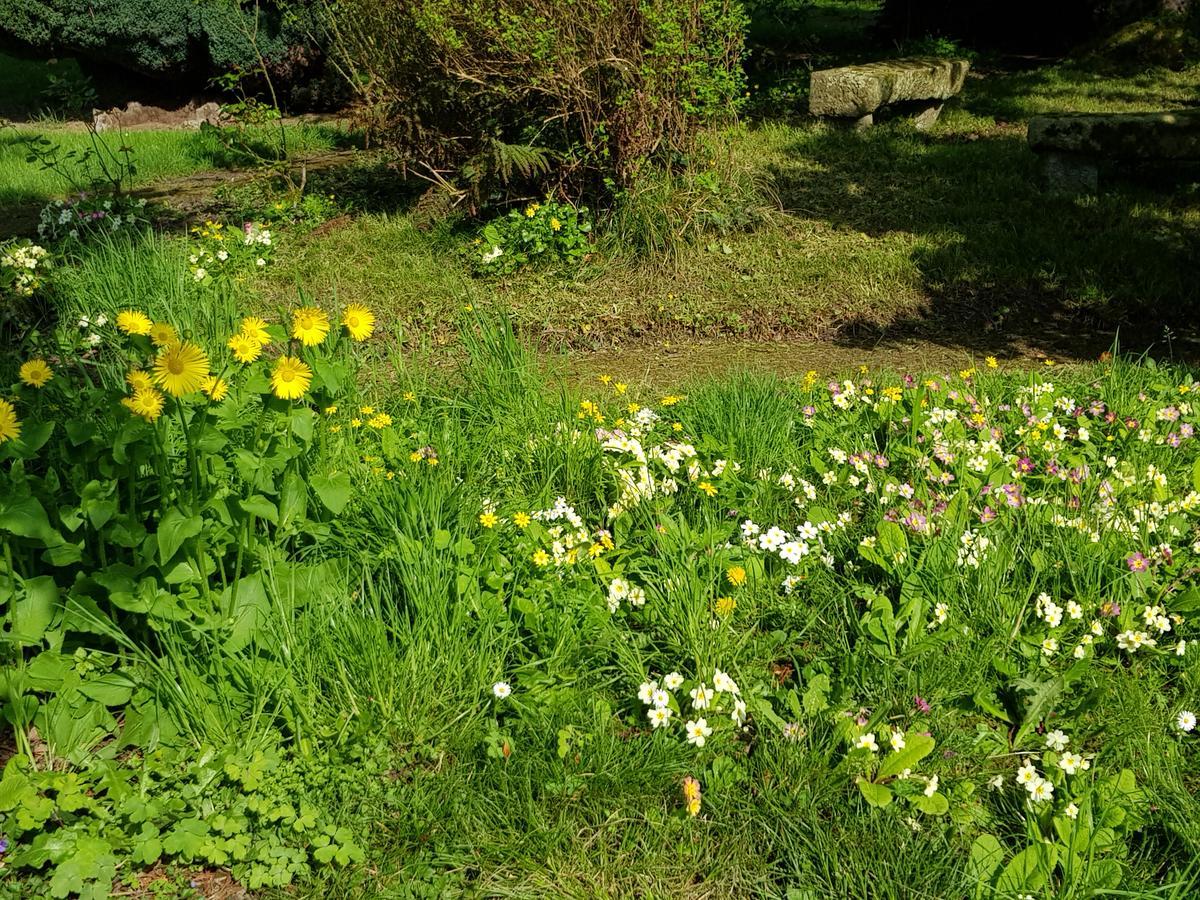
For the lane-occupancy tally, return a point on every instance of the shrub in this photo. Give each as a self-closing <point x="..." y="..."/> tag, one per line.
<point x="479" y="94"/>
<point x="542" y="232"/>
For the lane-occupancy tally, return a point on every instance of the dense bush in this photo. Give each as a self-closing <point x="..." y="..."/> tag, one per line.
<point x="164" y="38"/>
<point x="477" y="93"/>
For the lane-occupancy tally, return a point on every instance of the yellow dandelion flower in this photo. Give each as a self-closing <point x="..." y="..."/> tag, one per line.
<point x="216" y="388"/>
<point x="522" y="520"/>
<point x="670" y="400"/>
<point x="310" y="325"/>
<point x="148" y="404"/>
<point x="416" y="456"/>
<point x="36" y="372"/>
<point x="181" y="368"/>
<point x="359" y="321"/>
<point x="488" y="519"/>
<point x="366" y="410"/>
<point x="736" y="575"/>
<point x="132" y="321"/>
<point x="605" y="379"/>
<point x="621" y="387"/>
<point x="725" y="606"/>
<point x="256" y="329"/>
<point x="139" y="381"/>
<point x="162" y="334"/>
<point x="330" y="410"/>
<point x="355" y="423"/>
<point x="10" y="425"/>
<point x="677" y="426"/>
<point x="291" y="378"/>
<point x="245" y="349"/>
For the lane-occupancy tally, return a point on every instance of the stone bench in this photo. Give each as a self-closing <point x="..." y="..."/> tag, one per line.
<point x="1074" y="148"/>
<point x="860" y="92"/>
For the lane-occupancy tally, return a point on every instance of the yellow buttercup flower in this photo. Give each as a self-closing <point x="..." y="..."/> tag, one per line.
<point x="245" y="349"/>
<point x="291" y="378"/>
<point x="148" y="404"/>
<point x="163" y="333"/>
<point x="132" y="321"/>
<point x="36" y="372"/>
<point x="10" y="425"/>
<point x="216" y="388"/>
<point x="359" y="321"/>
<point x="181" y="369"/>
<point x="256" y="329"/>
<point x="139" y="381"/>
<point x="310" y="325"/>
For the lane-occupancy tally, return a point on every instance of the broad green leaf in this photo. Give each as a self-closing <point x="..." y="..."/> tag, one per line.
<point x="333" y="490"/>
<point x="26" y="518"/>
<point x="987" y="855"/>
<point x="258" y="505"/>
<point x="1028" y="871"/>
<point x="933" y="805"/>
<point x="301" y="423"/>
<point x="917" y="747"/>
<point x="816" y="694"/>
<point x="34" y="609"/>
<point x="175" y="528"/>
<point x="876" y="794"/>
<point x="111" y="689"/>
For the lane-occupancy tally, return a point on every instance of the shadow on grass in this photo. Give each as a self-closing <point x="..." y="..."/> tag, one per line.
<point x="1002" y="264"/>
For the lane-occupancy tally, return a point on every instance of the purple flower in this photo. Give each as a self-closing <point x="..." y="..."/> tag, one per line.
<point x="1110" y="609"/>
<point x="921" y="705"/>
<point x="1137" y="562"/>
<point x="1025" y="465"/>
<point x="809" y="411"/>
<point x="988" y="515"/>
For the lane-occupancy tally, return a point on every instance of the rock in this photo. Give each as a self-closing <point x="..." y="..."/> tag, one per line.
<point x="859" y="91"/>
<point x="1119" y="136"/>
<point x="137" y="115"/>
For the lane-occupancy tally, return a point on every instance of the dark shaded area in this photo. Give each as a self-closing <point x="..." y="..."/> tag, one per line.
<point x="1003" y="264"/>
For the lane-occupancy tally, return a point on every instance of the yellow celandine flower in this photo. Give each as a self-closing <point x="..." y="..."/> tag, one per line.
<point x="245" y="349"/>
<point x="595" y="551"/>
<point x="555" y="225"/>
<point x="677" y="426"/>
<point x="291" y="378"/>
<point x="366" y="410"/>
<point x="488" y="519"/>
<point x="181" y="369"/>
<point x="736" y="575"/>
<point x="162" y="334"/>
<point x="632" y="408"/>
<point x="725" y="606"/>
<point x="416" y="456"/>
<point x="893" y="393"/>
<point x="670" y="400"/>
<point x="691" y="795"/>
<point x="522" y="520"/>
<point x="605" y="379"/>
<point x="359" y="321"/>
<point x="216" y="388"/>
<point x="10" y="425"/>
<point x="355" y="423"/>
<point x="966" y="374"/>
<point x="707" y="487"/>
<point x="334" y="429"/>
<point x="992" y="363"/>
<point x="310" y="325"/>
<point x="383" y="420"/>
<point x="132" y="321"/>
<point x="256" y="329"/>
<point x="410" y="397"/>
<point x="148" y="404"/>
<point x="541" y="558"/>
<point x="36" y="372"/>
<point x="621" y="387"/>
<point x="330" y="410"/>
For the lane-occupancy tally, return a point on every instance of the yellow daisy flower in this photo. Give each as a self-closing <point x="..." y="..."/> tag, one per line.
<point x="148" y="404"/>
<point x="132" y="321"/>
<point x="163" y="333"/>
<point x="36" y="372"/>
<point x="245" y="349"/>
<point x="310" y="325"/>
<point x="10" y="426"/>
<point x="139" y="381"/>
<point x="359" y="321"/>
<point x="181" y="369"/>
<point x="291" y="378"/>
<point x="256" y="329"/>
<point x="216" y="388"/>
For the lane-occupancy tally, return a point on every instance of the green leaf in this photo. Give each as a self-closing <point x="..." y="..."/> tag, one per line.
<point x="111" y="689"/>
<point x="293" y="499"/>
<point x="987" y="855"/>
<point x="34" y="609"/>
<point x="934" y="805"/>
<point x="175" y="528"/>
<point x="441" y="539"/>
<point x="301" y="422"/>
<point x="1028" y="870"/>
<point x="916" y="748"/>
<point x="878" y="795"/>
<point x="258" y="505"/>
<point x="91" y="862"/>
<point x="26" y="518"/>
<point x="816" y="694"/>
<point x="333" y="490"/>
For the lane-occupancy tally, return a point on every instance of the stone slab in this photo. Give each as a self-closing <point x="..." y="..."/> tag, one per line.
<point x="1124" y="136"/>
<point x="140" y="116"/>
<point x="858" y="91"/>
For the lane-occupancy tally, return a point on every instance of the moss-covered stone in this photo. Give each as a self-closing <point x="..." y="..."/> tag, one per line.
<point x="1129" y="136"/>
<point x="858" y="91"/>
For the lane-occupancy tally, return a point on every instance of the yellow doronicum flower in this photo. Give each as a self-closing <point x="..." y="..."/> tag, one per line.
<point x="132" y="321"/>
<point x="216" y="388"/>
<point x="163" y="333"/>
<point x="256" y="329"/>
<point x="488" y="519"/>
<point x="310" y="325"/>
<point x="139" y="381"/>
<point x="245" y="348"/>
<point x="359" y="321"/>
<point x="148" y="404"/>
<point x="10" y="425"/>
<point x="291" y="378"/>
<point x="36" y="372"/>
<point x="181" y="369"/>
<point x="736" y="575"/>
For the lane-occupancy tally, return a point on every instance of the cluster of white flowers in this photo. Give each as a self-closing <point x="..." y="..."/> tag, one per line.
<point x="566" y="531"/>
<point x="723" y="695"/>
<point x="973" y="548"/>
<point x="90" y="325"/>
<point x="619" y="589"/>
<point x="27" y="263"/>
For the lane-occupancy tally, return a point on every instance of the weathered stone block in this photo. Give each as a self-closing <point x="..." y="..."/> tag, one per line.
<point x="1124" y="136"/>
<point x="858" y="91"/>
